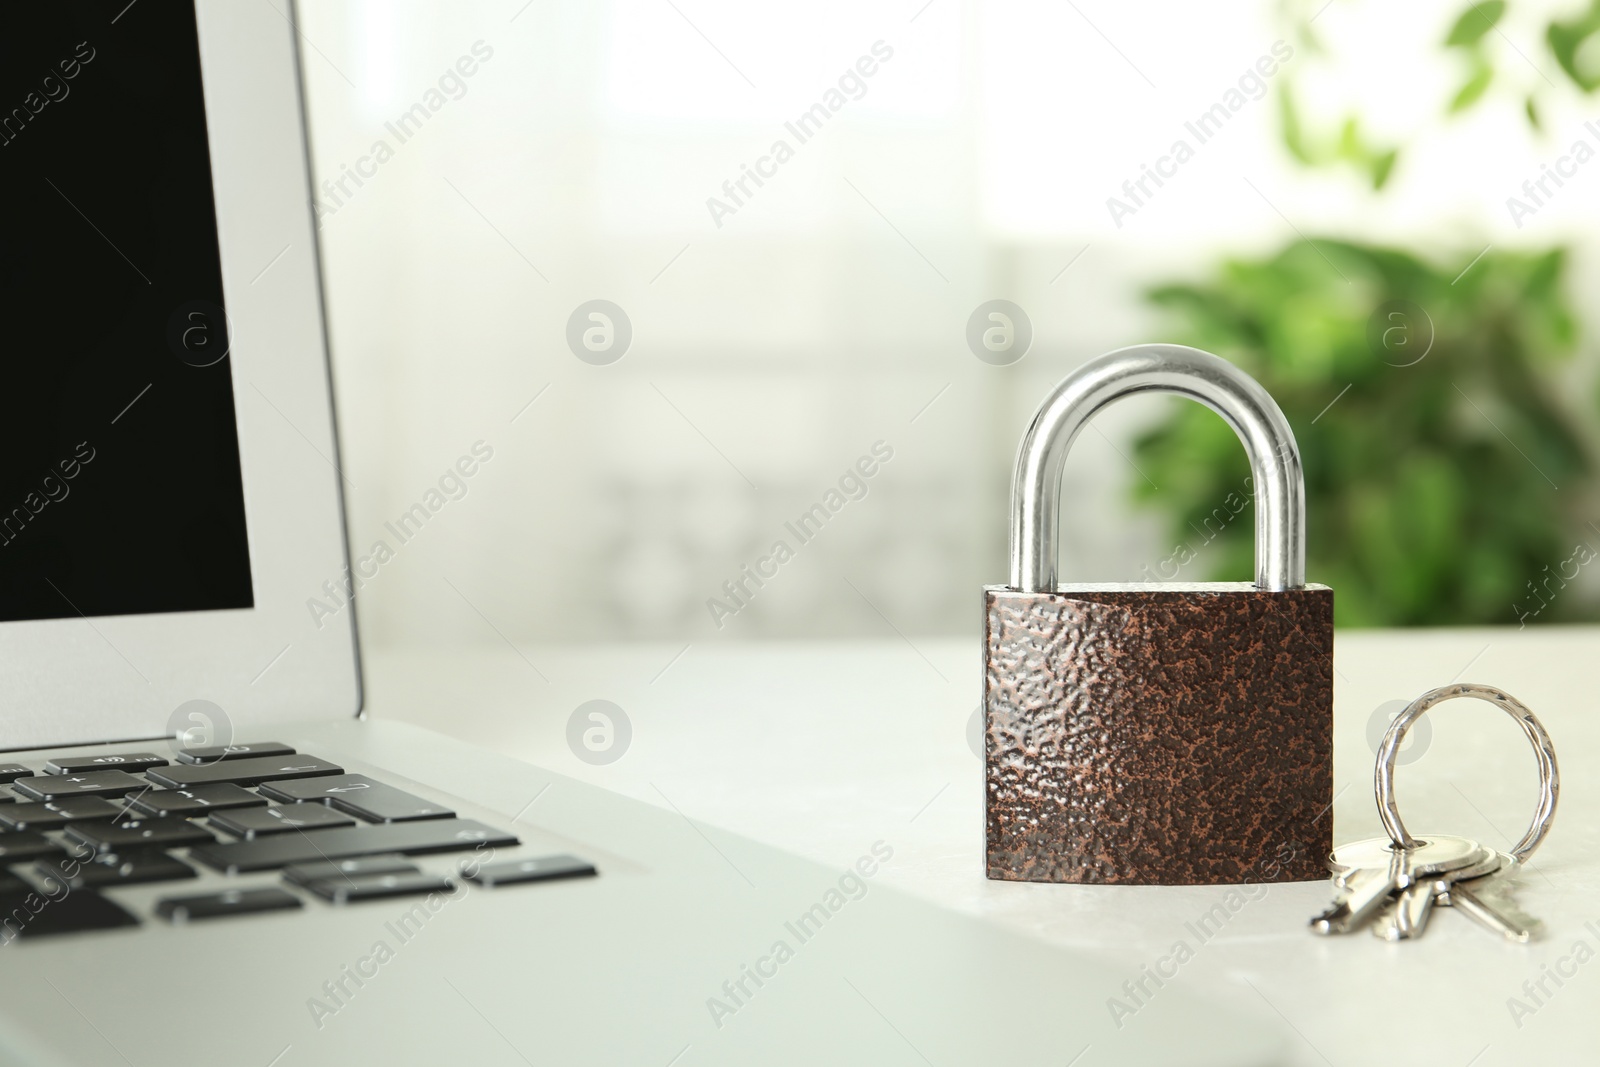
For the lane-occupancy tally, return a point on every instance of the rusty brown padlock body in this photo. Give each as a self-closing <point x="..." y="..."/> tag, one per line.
<point x="1159" y="736"/>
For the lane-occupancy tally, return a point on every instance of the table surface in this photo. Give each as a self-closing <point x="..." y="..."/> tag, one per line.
<point x="824" y="748"/>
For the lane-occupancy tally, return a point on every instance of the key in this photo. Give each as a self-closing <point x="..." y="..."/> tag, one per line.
<point x="196" y="801"/>
<point x="250" y="823"/>
<point x="1374" y="870"/>
<point x="214" y="753"/>
<point x="35" y="915"/>
<point x="380" y="886"/>
<point x="138" y="833"/>
<point x="114" y="869"/>
<point x="1404" y="912"/>
<point x="1439" y="852"/>
<point x="252" y="771"/>
<point x="1375" y="874"/>
<point x="409" y="838"/>
<point x="221" y="905"/>
<point x="10" y="772"/>
<point x="1408" y="912"/>
<point x="56" y="813"/>
<point x="1364" y="891"/>
<point x="359" y="795"/>
<point x="26" y="846"/>
<point x="123" y="761"/>
<point x="1488" y="902"/>
<point x="303" y="874"/>
<point x="89" y="783"/>
<point x="540" y="869"/>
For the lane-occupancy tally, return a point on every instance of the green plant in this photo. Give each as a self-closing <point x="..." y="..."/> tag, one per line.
<point x="1490" y="63"/>
<point x="1440" y="469"/>
<point x="1422" y="408"/>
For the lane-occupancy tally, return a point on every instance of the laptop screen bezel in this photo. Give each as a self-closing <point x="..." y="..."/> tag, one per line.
<point x="124" y="677"/>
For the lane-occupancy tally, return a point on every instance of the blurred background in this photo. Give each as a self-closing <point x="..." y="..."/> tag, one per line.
<point x="542" y="238"/>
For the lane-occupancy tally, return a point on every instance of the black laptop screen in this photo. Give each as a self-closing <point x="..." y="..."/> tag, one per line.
<point x="120" y="489"/>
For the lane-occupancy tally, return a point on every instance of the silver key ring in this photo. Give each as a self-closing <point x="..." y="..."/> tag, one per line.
<point x="1543" y="750"/>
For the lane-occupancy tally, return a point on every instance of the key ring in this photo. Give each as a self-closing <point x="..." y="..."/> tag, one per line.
<point x="1543" y="750"/>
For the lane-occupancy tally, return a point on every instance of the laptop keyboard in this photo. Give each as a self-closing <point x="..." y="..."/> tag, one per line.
<point x="78" y="825"/>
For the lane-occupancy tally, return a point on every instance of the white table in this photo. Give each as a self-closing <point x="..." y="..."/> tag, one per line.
<point x="825" y="748"/>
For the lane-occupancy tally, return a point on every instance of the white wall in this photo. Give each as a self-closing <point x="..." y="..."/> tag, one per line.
<point x="771" y="351"/>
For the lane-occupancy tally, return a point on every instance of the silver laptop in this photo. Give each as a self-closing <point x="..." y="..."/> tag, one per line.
<point x="209" y="854"/>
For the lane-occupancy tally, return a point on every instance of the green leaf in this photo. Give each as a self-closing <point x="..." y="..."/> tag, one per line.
<point x="1531" y="106"/>
<point x="1382" y="166"/>
<point x="1351" y="147"/>
<point x="1290" y="129"/>
<point x="1566" y="39"/>
<point x="1545" y="274"/>
<point x="1477" y="83"/>
<point x="1474" y="22"/>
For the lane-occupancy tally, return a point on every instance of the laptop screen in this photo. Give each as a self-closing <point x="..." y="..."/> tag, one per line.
<point x="120" y="487"/>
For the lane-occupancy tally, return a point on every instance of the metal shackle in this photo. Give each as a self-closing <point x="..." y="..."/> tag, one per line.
<point x="1160" y="368"/>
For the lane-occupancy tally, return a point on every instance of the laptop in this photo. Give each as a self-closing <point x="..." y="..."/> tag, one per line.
<point x="209" y="852"/>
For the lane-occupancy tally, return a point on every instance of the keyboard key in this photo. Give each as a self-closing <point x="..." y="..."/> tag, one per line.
<point x="215" y="753"/>
<point x="539" y="869"/>
<point x="409" y="838"/>
<point x="250" y="823"/>
<point x="33" y="915"/>
<point x="114" y="869"/>
<point x="381" y="886"/>
<point x="26" y="846"/>
<point x="303" y="874"/>
<point x="196" y="801"/>
<point x="251" y="771"/>
<point x="122" y="761"/>
<point x="139" y="833"/>
<point x="222" y="905"/>
<point x="359" y="795"/>
<point x="10" y="772"/>
<point x="90" y="783"/>
<point x="53" y="814"/>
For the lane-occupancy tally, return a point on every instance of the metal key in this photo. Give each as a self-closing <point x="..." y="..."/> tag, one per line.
<point x="1362" y="892"/>
<point x="1434" y="854"/>
<point x="1404" y="877"/>
<point x="1368" y="873"/>
<point x="1487" y="901"/>
<point x="1406" y="916"/>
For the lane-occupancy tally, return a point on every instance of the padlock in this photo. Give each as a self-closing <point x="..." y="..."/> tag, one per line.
<point x="1172" y="733"/>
